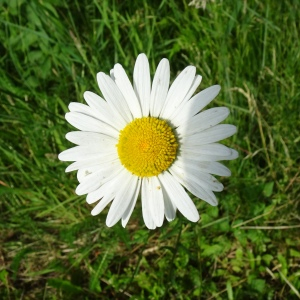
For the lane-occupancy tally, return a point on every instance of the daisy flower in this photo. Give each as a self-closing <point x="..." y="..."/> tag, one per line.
<point x="148" y="140"/>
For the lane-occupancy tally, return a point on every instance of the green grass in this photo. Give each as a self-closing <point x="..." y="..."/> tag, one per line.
<point x="50" y="245"/>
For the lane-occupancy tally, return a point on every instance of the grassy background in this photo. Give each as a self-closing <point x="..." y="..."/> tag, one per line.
<point x="246" y="248"/>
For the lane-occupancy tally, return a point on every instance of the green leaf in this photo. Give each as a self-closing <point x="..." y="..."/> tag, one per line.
<point x="4" y="277"/>
<point x="17" y="261"/>
<point x="64" y="285"/>
<point x="229" y="290"/>
<point x="268" y="189"/>
<point x="267" y="258"/>
<point x="294" y="253"/>
<point x="258" y="284"/>
<point x="212" y="250"/>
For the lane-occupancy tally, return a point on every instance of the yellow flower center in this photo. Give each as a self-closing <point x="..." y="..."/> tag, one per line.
<point x="147" y="146"/>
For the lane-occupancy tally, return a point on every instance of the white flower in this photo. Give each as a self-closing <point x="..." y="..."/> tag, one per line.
<point x="148" y="140"/>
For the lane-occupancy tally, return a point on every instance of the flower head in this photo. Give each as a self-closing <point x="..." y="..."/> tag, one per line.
<point x="148" y="140"/>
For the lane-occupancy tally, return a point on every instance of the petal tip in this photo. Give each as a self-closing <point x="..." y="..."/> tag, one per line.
<point x="95" y="212"/>
<point x="235" y="154"/>
<point x="110" y="222"/>
<point x="100" y="76"/>
<point x="195" y="217"/>
<point x="233" y="129"/>
<point x="142" y="56"/>
<point x="87" y="95"/>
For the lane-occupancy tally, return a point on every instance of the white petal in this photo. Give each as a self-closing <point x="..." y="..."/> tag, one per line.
<point x="170" y="208"/>
<point x="82" y="173"/>
<point x="195" y="104"/>
<point x="102" y="204"/>
<point x="187" y="97"/>
<point x="204" y="166"/>
<point x="142" y="82"/>
<point x="112" y="74"/>
<point x="160" y="86"/>
<point x="179" y="197"/>
<point x="146" y="205"/>
<point x="85" y="152"/>
<point x="196" y="82"/>
<point x="195" y="187"/>
<point x="97" y="167"/>
<point x="123" y="198"/>
<point x="105" y="190"/>
<point x="203" y="120"/>
<point x="81" y="108"/>
<point x="126" y="89"/>
<point x="93" y="181"/>
<point x="215" y="168"/>
<point x="98" y="109"/>
<point x="88" y="123"/>
<point x="102" y="110"/>
<point x="114" y="97"/>
<point x="192" y="173"/>
<point x="90" y="138"/>
<point x="210" y="135"/>
<point x="156" y="201"/>
<point x="128" y="211"/>
<point x="191" y="145"/>
<point x="200" y="158"/>
<point x="99" y="160"/>
<point x="178" y="91"/>
<point x="109" y="187"/>
<point x="89" y="182"/>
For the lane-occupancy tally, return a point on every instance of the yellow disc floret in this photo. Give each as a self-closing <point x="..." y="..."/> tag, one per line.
<point x="147" y="146"/>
